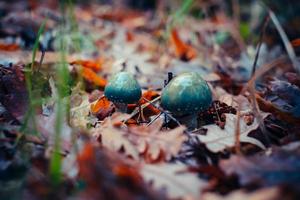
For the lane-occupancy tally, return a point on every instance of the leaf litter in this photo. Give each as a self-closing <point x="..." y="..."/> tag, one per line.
<point x="56" y="120"/>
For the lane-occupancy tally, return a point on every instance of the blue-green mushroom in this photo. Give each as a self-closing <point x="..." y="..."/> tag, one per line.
<point x="185" y="96"/>
<point x="123" y="89"/>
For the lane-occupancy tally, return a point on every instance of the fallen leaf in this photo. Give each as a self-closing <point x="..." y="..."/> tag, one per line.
<point x="94" y="65"/>
<point x="106" y="176"/>
<point x="262" y="194"/>
<point x="9" y="47"/>
<point x="278" y="167"/>
<point x="296" y="42"/>
<point x="285" y="96"/>
<point x="155" y="144"/>
<point x="92" y="77"/>
<point x="217" y="139"/>
<point x="182" y="50"/>
<point x="114" y="138"/>
<point x="102" y="108"/>
<point x="13" y="92"/>
<point x="79" y="114"/>
<point x="150" y="110"/>
<point x="174" y="179"/>
<point x="151" y="142"/>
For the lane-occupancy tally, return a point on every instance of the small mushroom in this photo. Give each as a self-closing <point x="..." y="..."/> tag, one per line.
<point x="123" y="89"/>
<point x="185" y="96"/>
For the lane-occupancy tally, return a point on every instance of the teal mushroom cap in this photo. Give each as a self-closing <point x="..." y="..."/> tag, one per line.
<point x="123" y="88"/>
<point x="186" y="94"/>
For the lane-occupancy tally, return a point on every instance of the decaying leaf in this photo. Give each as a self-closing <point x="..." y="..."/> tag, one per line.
<point x="263" y="194"/>
<point x="183" y="51"/>
<point x="108" y="177"/>
<point x="275" y="168"/>
<point x="155" y="144"/>
<point x="102" y="108"/>
<point x="45" y="126"/>
<point x="217" y="139"/>
<point x="151" y="142"/>
<point x="94" y="65"/>
<point x="150" y="109"/>
<point x="174" y="179"/>
<point x="13" y="93"/>
<point x="90" y="76"/>
<point x="115" y="138"/>
<point x="80" y="113"/>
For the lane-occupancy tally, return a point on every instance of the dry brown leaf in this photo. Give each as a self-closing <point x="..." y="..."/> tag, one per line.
<point x="102" y="108"/>
<point x="173" y="178"/>
<point x="115" y="138"/>
<point x="263" y="194"/>
<point x="155" y="144"/>
<point x="217" y="139"/>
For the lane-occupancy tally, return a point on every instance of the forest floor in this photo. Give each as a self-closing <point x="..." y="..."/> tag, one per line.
<point x="62" y="138"/>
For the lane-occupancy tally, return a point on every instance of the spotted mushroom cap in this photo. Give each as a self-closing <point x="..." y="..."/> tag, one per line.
<point x="186" y="94"/>
<point x="123" y="88"/>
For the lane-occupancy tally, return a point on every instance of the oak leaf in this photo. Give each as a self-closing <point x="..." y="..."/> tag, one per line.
<point x="114" y="138"/>
<point x="155" y="144"/>
<point x="175" y="179"/>
<point x="217" y="139"/>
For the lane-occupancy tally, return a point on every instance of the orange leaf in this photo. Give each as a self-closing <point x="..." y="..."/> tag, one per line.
<point x="102" y="108"/>
<point x="95" y="66"/>
<point x="102" y="103"/>
<point x="182" y="50"/>
<point x="86" y="156"/>
<point x="9" y="47"/>
<point x="150" y="109"/>
<point x="91" y="76"/>
<point x="150" y="95"/>
<point x="126" y="171"/>
<point x="129" y="36"/>
<point x="296" y="42"/>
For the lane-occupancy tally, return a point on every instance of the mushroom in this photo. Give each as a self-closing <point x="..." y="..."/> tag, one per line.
<point x="123" y="89"/>
<point x="185" y="96"/>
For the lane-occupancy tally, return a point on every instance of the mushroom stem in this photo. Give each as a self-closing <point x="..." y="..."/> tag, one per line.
<point x="121" y="107"/>
<point x="190" y="121"/>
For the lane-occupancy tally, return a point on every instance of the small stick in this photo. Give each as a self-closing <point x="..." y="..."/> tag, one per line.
<point x="289" y="48"/>
<point x="237" y="133"/>
<point x="261" y="36"/>
<point x="41" y="59"/>
<point x="136" y="111"/>
<point x="141" y="114"/>
<point x="170" y="116"/>
<point x="153" y="120"/>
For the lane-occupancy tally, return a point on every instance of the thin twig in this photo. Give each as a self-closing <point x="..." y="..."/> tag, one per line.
<point x="136" y="111"/>
<point x="237" y="132"/>
<point x="41" y="60"/>
<point x="161" y="110"/>
<point x="289" y="48"/>
<point x="262" y="34"/>
<point x="155" y="118"/>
